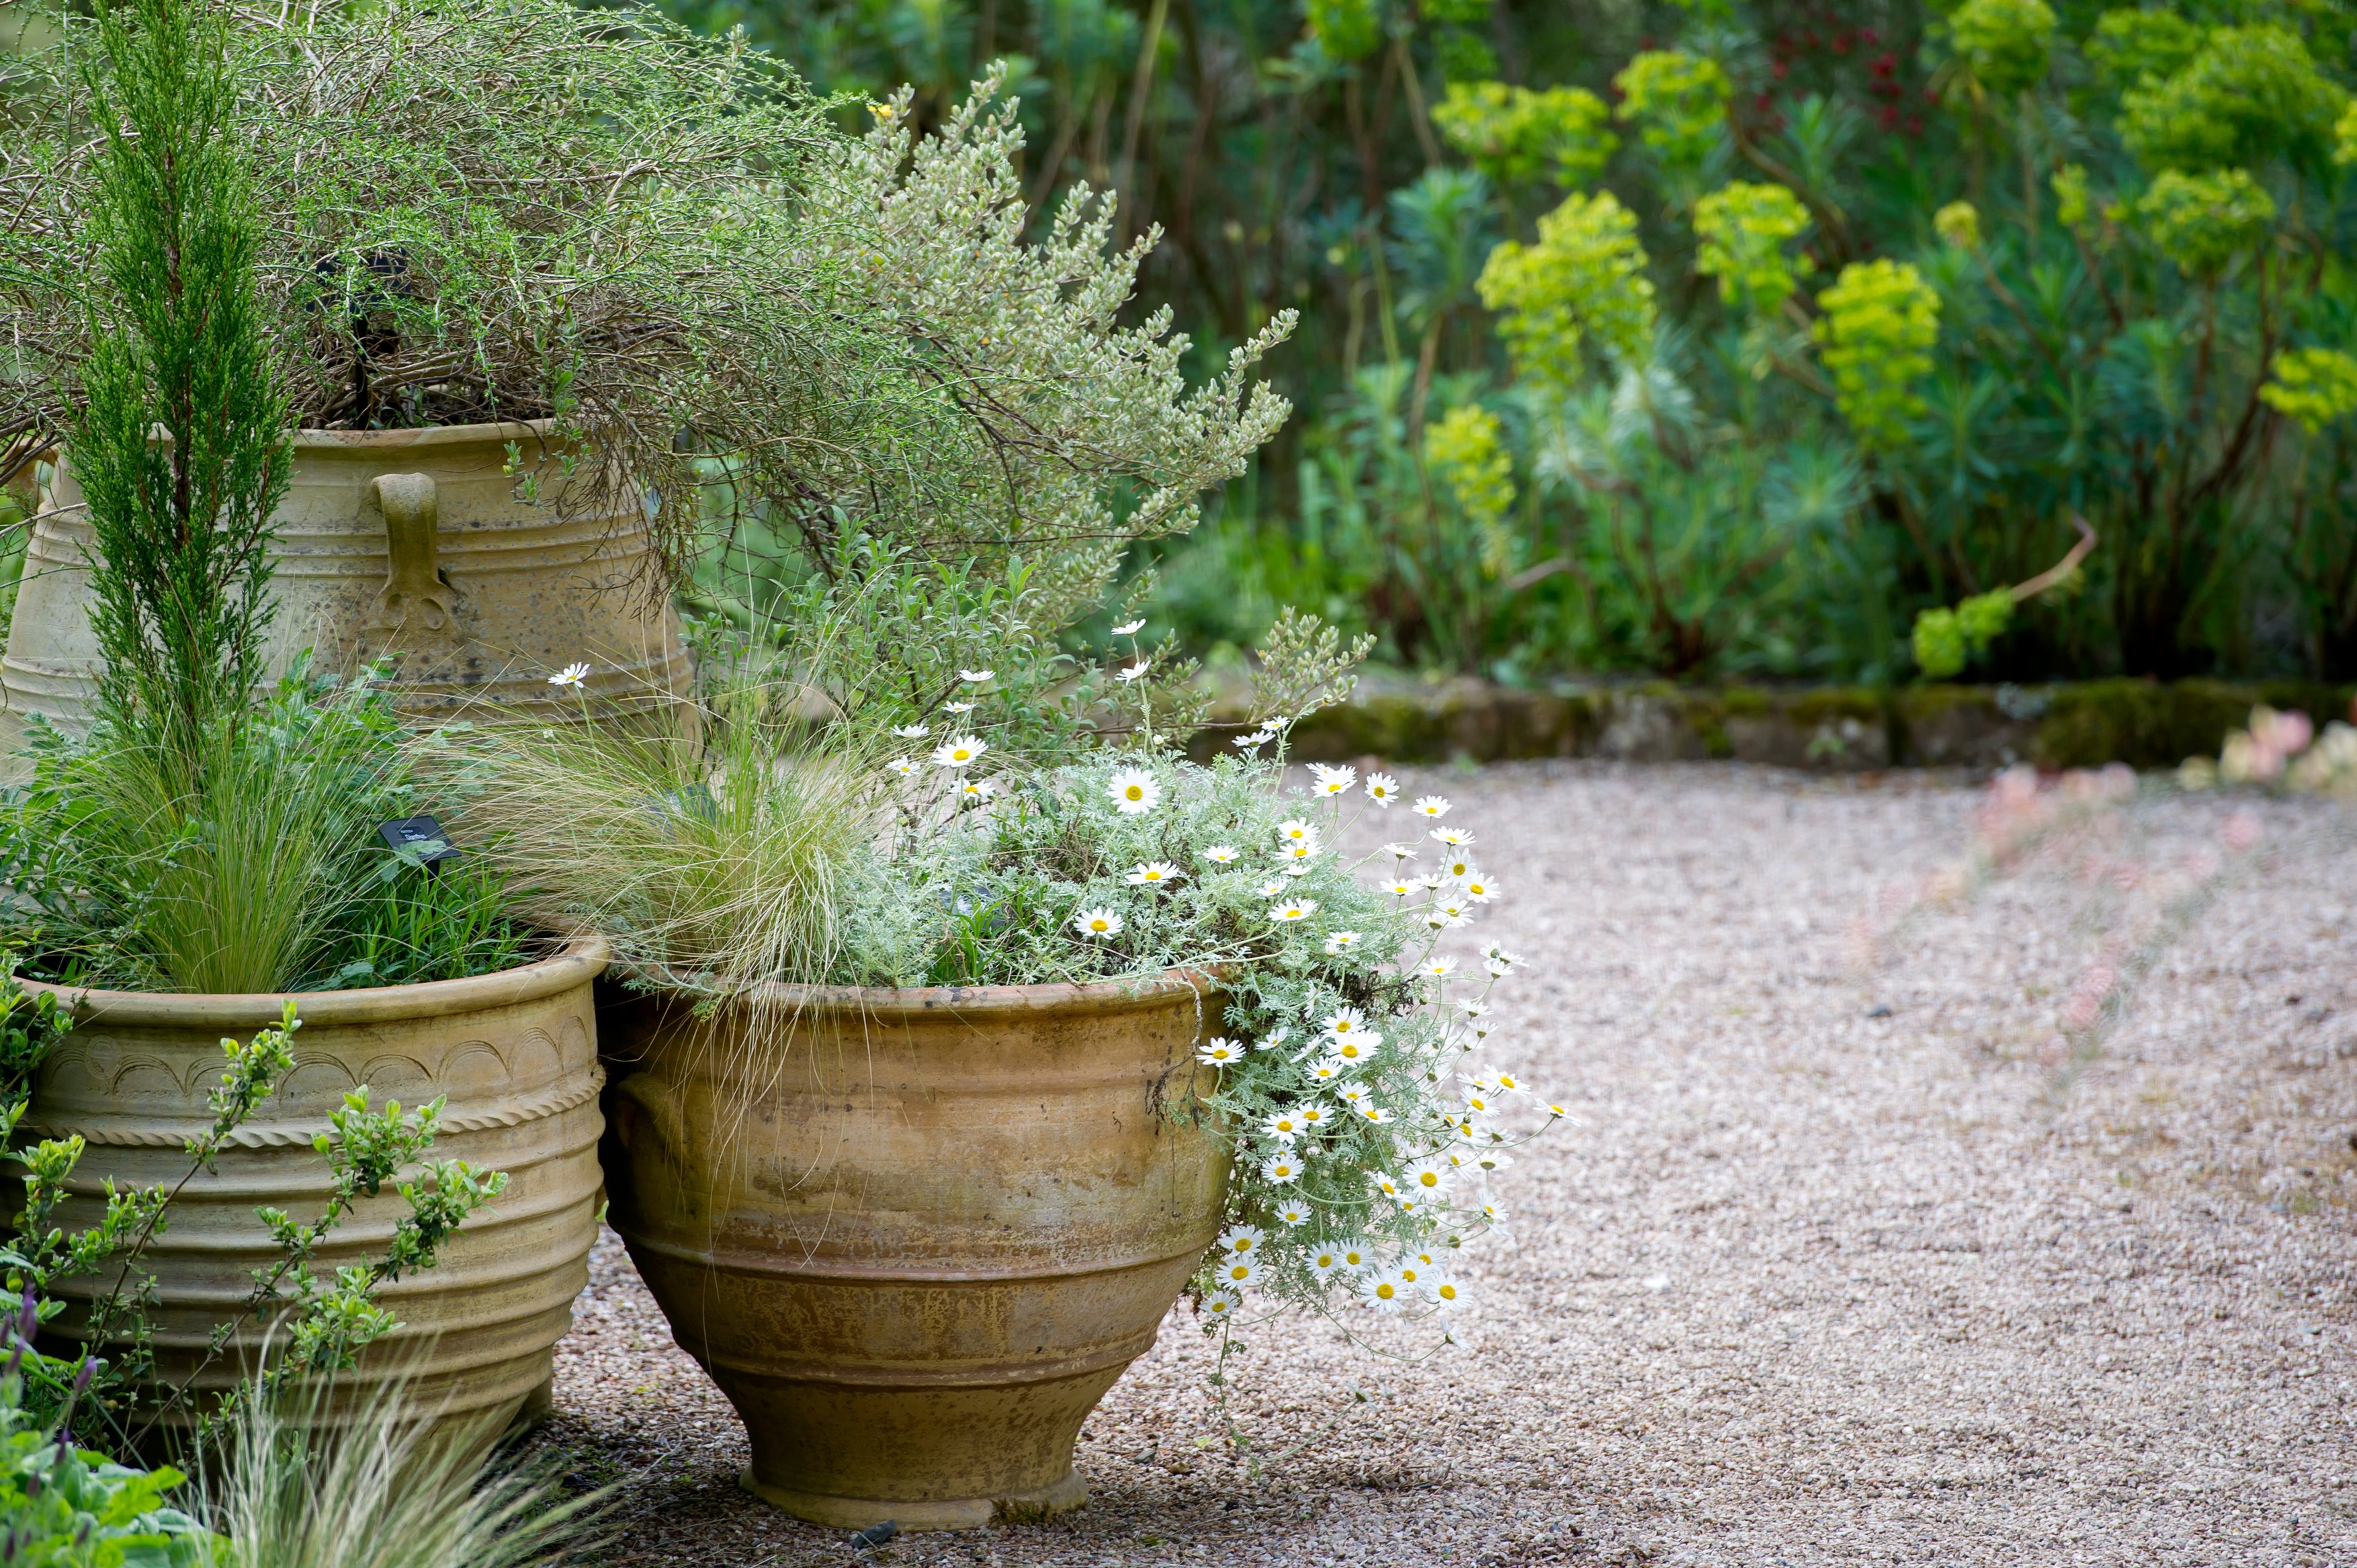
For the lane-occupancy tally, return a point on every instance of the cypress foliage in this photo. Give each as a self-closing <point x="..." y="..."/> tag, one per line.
<point x="182" y="522"/>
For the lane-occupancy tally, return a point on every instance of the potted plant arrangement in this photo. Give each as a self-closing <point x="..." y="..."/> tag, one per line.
<point x="964" y="1024"/>
<point x="506" y="251"/>
<point x="204" y="862"/>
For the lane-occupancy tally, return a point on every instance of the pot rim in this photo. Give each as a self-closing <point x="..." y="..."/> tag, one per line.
<point x="312" y="439"/>
<point x="923" y="1001"/>
<point x="581" y="959"/>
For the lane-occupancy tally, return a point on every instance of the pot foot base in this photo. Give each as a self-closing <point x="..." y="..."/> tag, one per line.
<point x="1031" y="1507"/>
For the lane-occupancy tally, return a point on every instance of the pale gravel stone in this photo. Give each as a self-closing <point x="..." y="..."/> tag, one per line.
<point x="1811" y="1285"/>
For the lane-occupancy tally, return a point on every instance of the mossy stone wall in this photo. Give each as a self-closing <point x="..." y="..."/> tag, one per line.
<point x="2145" y="723"/>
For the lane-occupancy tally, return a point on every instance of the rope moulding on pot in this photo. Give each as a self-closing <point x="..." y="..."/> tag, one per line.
<point x="515" y="1056"/>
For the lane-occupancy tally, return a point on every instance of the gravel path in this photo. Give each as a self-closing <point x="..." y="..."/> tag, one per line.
<point x="1858" y="1257"/>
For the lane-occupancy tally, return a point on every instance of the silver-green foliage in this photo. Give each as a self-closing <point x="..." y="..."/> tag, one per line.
<point x="520" y="209"/>
<point x="1343" y="1054"/>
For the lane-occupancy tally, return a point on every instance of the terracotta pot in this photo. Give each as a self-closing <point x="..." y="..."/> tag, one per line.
<point x="408" y="544"/>
<point x="515" y="1055"/>
<point x="915" y="1235"/>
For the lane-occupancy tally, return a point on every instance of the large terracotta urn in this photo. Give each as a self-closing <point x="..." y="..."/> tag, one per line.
<point x="514" y="1058"/>
<point x="430" y="547"/>
<point x="915" y="1235"/>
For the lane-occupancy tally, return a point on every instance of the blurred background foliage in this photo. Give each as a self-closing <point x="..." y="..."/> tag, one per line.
<point x="1716" y="339"/>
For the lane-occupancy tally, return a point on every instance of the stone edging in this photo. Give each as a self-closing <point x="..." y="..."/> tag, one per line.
<point x="2145" y="723"/>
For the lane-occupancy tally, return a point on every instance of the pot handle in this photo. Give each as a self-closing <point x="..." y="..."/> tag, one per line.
<point x="644" y="1098"/>
<point x="415" y="584"/>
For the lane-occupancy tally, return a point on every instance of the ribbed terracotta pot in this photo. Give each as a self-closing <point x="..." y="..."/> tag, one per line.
<point x="515" y="1055"/>
<point x="411" y="545"/>
<point x="915" y="1235"/>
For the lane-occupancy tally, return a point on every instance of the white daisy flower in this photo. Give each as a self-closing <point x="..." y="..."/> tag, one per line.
<point x="1293" y="1213"/>
<point x="1457" y="867"/>
<point x="1478" y="1100"/>
<point x="1133" y="672"/>
<point x="1242" y="1239"/>
<point x="1357" y="1047"/>
<point x="1332" y="781"/>
<point x="1329" y="1069"/>
<point x="1474" y="1008"/>
<point x="975" y="791"/>
<point x="1428" y="1176"/>
<point x="1433" y="806"/>
<point x="1217" y="1052"/>
<point x="911" y="731"/>
<point x="960" y="750"/>
<point x="1491" y="1160"/>
<point x="1133" y="791"/>
<point x="1252" y="742"/>
<point x="1413" y="1273"/>
<point x="1326" y="1262"/>
<point x="1340" y="941"/>
<point x="1129" y="629"/>
<point x="957" y="707"/>
<point x="1447" y="913"/>
<point x="1437" y="967"/>
<point x="1509" y="1083"/>
<point x="1098" y="924"/>
<point x="1382" y="789"/>
<point x="1556" y="1110"/>
<point x="1314" y="1117"/>
<point x="1459" y="1160"/>
<point x="1385" y="1291"/>
<point x="903" y="766"/>
<point x="1293" y="909"/>
<point x="1220" y="1302"/>
<point x="1400" y="850"/>
<point x="1343" y="1021"/>
<point x="1493" y="1211"/>
<point x="1293" y="870"/>
<point x="1357" y="1258"/>
<point x="1296" y="831"/>
<point x="1354" y="1094"/>
<point x="1440" y="1288"/>
<point x="1282" y="1167"/>
<point x="1272" y="888"/>
<point x="1400" y="888"/>
<point x="1236" y="1273"/>
<point x="1300" y="853"/>
<point x="1276" y="1037"/>
<point x="571" y="675"/>
<point x="1375" y="1115"/>
<point x="1455" y="838"/>
<point x="1389" y="1187"/>
<point x="975" y="677"/>
<point x="1283" y="1125"/>
<point x="1477" y="888"/>
<point x="1492" y="951"/>
<point x="1154" y="874"/>
<point x="1221" y="854"/>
